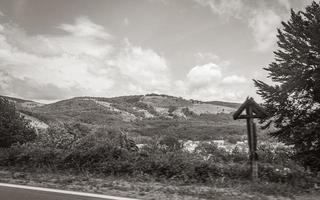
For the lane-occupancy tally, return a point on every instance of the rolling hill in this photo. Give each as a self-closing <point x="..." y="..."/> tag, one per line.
<point x="140" y="115"/>
<point x="22" y="103"/>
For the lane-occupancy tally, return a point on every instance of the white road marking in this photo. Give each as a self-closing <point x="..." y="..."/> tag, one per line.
<point x="65" y="192"/>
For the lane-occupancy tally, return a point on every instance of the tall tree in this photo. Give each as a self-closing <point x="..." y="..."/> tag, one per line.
<point x="294" y="99"/>
<point x="13" y="127"/>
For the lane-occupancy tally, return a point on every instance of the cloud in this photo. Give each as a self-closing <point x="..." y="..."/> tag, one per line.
<point x="207" y="57"/>
<point x="30" y="89"/>
<point x="262" y="17"/>
<point x="230" y="8"/>
<point x="234" y="79"/>
<point x="285" y="3"/>
<point x="200" y="76"/>
<point x="264" y="26"/>
<point x="67" y="43"/>
<point x="83" y="27"/>
<point x="143" y="67"/>
<point x="208" y="82"/>
<point x="83" y="60"/>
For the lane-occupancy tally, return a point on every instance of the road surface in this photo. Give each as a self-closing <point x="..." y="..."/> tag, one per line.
<point x="20" y="192"/>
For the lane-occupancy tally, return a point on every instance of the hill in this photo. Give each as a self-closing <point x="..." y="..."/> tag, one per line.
<point x="223" y="103"/>
<point x="25" y="106"/>
<point x="143" y="116"/>
<point x="23" y="103"/>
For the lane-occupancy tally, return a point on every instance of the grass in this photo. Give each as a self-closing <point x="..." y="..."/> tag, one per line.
<point x="145" y="187"/>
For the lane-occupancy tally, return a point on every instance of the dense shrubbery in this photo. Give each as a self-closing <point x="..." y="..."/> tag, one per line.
<point x="13" y="127"/>
<point x="101" y="153"/>
<point x="41" y="117"/>
<point x="190" y="130"/>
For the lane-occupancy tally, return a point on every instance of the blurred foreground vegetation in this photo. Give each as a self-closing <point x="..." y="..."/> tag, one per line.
<point x="109" y="152"/>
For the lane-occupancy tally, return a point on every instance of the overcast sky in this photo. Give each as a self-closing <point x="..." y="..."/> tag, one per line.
<point x="201" y="49"/>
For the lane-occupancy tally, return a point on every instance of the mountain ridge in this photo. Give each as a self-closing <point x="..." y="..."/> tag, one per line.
<point x="126" y="108"/>
<point x="140" y="115"/>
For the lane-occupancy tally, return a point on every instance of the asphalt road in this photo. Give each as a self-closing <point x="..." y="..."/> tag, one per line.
<point x="12" y="193"/>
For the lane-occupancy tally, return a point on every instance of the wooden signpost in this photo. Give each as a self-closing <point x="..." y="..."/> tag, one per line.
<point x="252" y="110"/>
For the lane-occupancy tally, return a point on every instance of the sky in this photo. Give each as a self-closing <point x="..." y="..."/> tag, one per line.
<point x="196" y="49"/>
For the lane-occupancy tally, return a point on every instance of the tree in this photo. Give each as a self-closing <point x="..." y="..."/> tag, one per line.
<point x="293" y="101"/>
<point x="13" y="127"/>
<point x="171" y="109"/>
<point x="171" y="142"/>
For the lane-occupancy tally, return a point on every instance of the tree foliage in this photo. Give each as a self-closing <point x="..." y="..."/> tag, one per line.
<point x="294" y="100"/>
<point x="171" y="109"/>
<point x="13" y="127"/>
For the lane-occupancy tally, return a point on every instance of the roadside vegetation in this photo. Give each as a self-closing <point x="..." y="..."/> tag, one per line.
<point x="109" y="153"/>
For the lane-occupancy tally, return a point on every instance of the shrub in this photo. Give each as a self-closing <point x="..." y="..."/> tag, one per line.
<point x="171" y="109"/>
<point x="212" y="152"/>
<point x="13" y="127"/>
<point x="269" y="153"/>
<point x="101" y="154"/>
<point x="171" y="143"/>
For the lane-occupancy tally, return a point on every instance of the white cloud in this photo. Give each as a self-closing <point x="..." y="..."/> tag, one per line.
<point x="201" y="76"/>
<point x="234" y="79"/>
<point x="144" y="67"/>
<point x="83" y="27"/>
<point x="230" y="8"/>
<point x="285" y="3"/>
<point x="264" y="26"/>
<point x="261" y="17"/>
<point x="94" y="63"/>
<point x="208" y="57"/>
<point x="207" y="82"/>
<point x="53" y="45"/>
<point x="83" y="60"/>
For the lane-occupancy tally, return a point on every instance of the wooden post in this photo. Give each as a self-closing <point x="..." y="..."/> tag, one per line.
<point x="249" y="128"/>
<point x="254" y="162"/>
<point x="252" y="142"/>
<point x="253" y="110"/>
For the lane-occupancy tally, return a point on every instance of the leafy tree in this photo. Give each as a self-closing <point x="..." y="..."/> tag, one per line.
<point x="171" y="109"/>
<point x="187" y="111"/>
<point x="171" y="143"/>
<point x="294" y="100"/>
<point x="13" y="127"/>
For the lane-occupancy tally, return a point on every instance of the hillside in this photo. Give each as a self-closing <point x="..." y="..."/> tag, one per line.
<point x="130" y="108"/>
<point x="25" y="107"/>
<point x="22" y="103"/>
<point x="223" y="103"/>
<point x="143" y="116"/>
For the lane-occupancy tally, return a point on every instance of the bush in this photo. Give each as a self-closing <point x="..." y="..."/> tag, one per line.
<point x="212" y="152"/>
<point x="13" y="127"/>
<point x="171" y="143"/>
<point x="281" y="155"/>
<point x="101" y="154"/>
